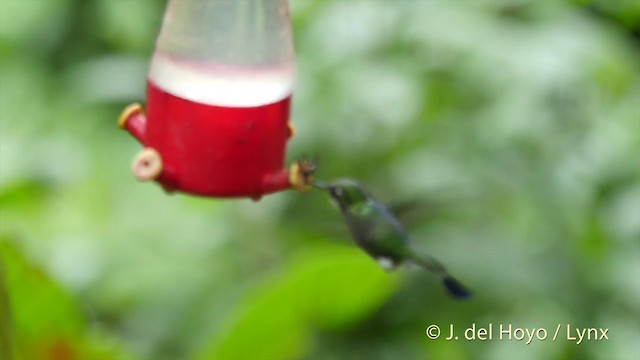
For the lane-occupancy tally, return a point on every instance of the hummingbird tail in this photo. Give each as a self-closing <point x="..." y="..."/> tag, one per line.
<point x="430" y="264"/>
<point x="453" y="286"/>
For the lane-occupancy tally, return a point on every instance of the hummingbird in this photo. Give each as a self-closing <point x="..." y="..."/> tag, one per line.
<point x="378" y="232"/>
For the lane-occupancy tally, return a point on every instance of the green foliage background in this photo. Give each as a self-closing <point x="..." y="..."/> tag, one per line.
<point x="514" y="124"/>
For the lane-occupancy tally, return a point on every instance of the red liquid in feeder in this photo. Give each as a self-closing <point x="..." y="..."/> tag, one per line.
<point x="216" y="150"/>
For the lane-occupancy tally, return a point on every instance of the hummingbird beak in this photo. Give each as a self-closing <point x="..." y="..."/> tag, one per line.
<point x="321" y="185"/>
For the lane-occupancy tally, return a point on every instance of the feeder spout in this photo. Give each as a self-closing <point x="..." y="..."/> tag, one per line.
<point x="134" y="121"/>
<point x="274" y="182"/>
<point x="299" y="176"/>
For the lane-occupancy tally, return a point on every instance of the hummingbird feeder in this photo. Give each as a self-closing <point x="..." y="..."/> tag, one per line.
<point x="219" y="87"/>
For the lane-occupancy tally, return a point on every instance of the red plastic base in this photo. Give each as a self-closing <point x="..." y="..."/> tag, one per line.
<point x="212" y="150"/>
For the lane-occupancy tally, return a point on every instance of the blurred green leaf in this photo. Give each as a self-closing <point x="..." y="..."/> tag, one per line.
<point x="44" y="321"/>
<point x="327" y="286"/>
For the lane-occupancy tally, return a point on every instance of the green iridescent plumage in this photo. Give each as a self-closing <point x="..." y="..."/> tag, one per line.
<point x="377" y="231"/>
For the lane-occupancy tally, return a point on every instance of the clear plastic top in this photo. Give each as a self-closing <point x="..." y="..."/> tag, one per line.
<point x="225" y="52"/>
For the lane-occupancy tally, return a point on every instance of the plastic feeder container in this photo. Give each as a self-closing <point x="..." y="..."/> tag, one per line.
<point x="218" y="93"/>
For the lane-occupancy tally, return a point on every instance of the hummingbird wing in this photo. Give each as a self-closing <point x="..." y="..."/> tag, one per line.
<point x="416" y="211"/>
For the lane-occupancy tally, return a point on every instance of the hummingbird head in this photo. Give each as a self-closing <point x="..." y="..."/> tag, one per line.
<point x="345" y="192"/>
